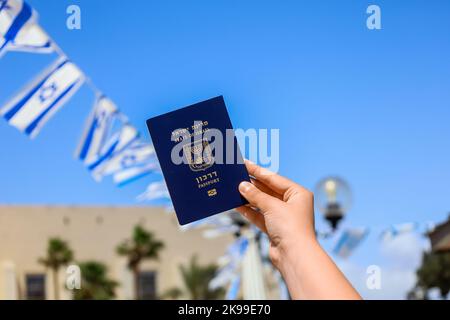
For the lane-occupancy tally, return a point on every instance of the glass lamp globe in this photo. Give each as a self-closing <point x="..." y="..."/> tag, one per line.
<point x="333" y="199"/>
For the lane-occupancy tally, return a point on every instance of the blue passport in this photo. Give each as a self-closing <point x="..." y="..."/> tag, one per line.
<point x="200" y="159"/>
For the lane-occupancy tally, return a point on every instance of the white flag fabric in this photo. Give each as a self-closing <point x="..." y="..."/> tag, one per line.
<point x="134" y="162"/>
<point x="237" y="250"/>
<point x="233" y="259"/>
<point x="233" y="290"/>
<point x="97" y="131"/>
<point x="223" y="276"/>
<point x="113" y="148"/>
<point x="399" y="229"/>
<point x="349" y="241"/>
<point x="133" y="173"/>
<point x="35" y="105"/>
<point x="31" y="39"/>
<point x="19" y="30"/>
<point x="155" y="190"/>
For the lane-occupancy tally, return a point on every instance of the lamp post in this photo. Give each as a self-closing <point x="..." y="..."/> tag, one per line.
<point x="333" y="199"/>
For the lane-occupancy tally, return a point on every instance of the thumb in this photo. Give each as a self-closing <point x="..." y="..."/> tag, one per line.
<point x="257" y="198"/>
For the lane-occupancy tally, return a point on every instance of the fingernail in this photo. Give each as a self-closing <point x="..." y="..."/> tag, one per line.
<point x="249" y="161"/>
<point x="244" y="186"/>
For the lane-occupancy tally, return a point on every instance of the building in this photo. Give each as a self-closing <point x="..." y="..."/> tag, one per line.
<point x="440" y="237"/>
<point x="94" y="233"/>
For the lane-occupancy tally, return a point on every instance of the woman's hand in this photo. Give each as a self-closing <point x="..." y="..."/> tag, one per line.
<point x="285" y="211"/>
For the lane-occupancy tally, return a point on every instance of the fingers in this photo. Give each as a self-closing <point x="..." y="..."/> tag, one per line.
<point x="274" y="181"/>
<point x="261" y="186"/>
<point x="254" y="217"/>
<point x="257" y="198"/>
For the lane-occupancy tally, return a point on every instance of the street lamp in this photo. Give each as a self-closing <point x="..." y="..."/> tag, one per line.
<point x="333" y="199"/>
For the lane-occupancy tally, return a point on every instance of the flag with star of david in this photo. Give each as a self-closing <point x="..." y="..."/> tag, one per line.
<point x="35" y="105"/>
<point x="97" y="131"/>
<point x="134" y="162"/>
<point x="19" y="30"/>
<point x="349" y="240"/>
<point x="110" y="146"/>
<point x="111" y="149"/>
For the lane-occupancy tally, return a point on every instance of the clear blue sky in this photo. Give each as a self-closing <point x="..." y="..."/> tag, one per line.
<point x="370" y="106"/>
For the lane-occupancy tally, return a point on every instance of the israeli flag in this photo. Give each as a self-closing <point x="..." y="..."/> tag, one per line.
<point x="134" y="162"/>
<point x="155" y="190"/>
<point x="97" y="130"/>
<point x="19" y="31"/>
<point x="109" y="144"/>
<point x="349" y="241"/>
<point x="237" y="250"/>
<point x="233" y="290"/>
<point x="36" y="104"/>
<point x="231" y="263"/>
<point x="113" y="148"/>
<point x="223" y="276"/>
<point x="399" y="229"/>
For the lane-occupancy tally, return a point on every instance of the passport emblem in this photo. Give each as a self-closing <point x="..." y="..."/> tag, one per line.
<point x="198" y="155"/>
<point x="212" y="192"/>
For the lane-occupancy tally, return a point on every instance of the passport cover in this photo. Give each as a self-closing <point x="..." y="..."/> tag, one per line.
<point x="201" y="185"/>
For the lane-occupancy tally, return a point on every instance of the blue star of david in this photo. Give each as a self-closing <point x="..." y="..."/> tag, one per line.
<point x="47" y="92"/>
<point x="128" y="160"/>
<point x="4" y="5"/>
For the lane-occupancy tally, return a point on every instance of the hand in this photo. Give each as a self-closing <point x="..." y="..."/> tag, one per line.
<point x="279" y="207"/>
<point x="285" y="211"/>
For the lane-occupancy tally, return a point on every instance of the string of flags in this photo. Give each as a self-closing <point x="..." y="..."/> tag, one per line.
<point x="19" y="30"/>
<point x="229" y="274"/>
<point x="110" y="145"/>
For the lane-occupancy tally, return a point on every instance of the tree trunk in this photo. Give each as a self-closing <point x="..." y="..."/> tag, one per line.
<point x="136" y="282"/>
<point x="55" y="284"/>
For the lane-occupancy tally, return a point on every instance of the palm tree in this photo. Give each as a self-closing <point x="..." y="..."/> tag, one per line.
<point x="96" y="284"/>
<point x="172" y="294"/>
<point x="434" y="273"/>
<point x="58" y="255"/>
<point x="143" y="245"/>
<point x="196" y="279"/>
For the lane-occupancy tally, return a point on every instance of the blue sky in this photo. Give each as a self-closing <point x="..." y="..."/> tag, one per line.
<point x="370" y="106"/>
